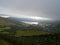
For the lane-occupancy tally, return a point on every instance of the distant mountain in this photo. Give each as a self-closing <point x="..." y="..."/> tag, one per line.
<point x="28" y="19"/>
<point x="33" y="20"/>
<point x="23" y="19"/>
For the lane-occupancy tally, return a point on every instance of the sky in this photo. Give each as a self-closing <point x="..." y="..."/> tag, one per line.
<point x="35" y="8"/>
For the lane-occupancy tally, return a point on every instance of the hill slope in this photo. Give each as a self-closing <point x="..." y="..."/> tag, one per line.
<point x="18" y="28"/>
<point x="17" y="33"/>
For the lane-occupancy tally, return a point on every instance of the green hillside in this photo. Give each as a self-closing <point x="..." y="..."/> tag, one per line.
<point x="15" y="33"/>
<point x="12" y="27"/>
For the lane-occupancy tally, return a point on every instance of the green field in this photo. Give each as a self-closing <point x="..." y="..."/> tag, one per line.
<point x="30" y="33"/>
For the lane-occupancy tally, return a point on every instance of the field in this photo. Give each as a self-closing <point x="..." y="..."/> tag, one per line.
<point x="30" y="33"/>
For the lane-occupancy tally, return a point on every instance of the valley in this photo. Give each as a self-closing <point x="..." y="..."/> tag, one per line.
<point x="19" y="33"/>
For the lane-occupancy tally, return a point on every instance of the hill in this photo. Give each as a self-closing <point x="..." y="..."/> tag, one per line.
<point x="13" y="27"/>
<point x="18" y="33"/>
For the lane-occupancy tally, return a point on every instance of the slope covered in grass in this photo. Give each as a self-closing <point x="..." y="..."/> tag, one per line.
<point x="48" y="39"/>
<point x="18" y="29"/>
<point x="30" y="33"/>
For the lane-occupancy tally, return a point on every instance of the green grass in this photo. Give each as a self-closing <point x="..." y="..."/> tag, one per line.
<point x="2" y="42"/>
<point x="5" y="28"/>
<point x="30" y="33"/>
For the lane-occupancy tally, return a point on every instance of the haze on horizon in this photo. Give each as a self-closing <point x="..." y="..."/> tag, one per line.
<point x="26" y="8"/>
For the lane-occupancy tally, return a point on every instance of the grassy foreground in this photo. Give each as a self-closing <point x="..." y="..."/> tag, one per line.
<point x="50" y="39"/>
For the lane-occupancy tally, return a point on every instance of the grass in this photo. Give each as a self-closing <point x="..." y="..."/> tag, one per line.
<point x="30" y="33"/>
<point x="31" y="40"/>
<point x="2" y="42"/>
<point x="5" y="28"/>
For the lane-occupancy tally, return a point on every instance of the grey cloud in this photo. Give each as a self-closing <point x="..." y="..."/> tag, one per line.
<point x="43" y="8"/>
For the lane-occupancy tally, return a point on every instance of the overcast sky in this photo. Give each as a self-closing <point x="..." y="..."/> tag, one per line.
<point x="41" y="8"/>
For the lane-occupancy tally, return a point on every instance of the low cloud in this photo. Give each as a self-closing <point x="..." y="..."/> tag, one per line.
<point x="41" y="8"/>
